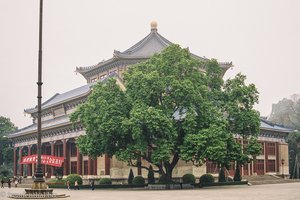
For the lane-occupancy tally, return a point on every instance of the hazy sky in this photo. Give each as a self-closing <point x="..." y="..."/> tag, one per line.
<point x="260" y="37"/>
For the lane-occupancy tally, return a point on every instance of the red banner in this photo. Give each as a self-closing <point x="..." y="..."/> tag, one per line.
<point x="46" y="160"/>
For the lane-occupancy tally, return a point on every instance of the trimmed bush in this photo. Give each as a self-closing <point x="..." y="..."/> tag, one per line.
<point x="130" y="177"/>
<point x="138" y="180"/>
<point x="105" y="181"/>
<point x="74" y="177"/>
<point x="206" y="178"/>
<point x="162" y="180"/>
<point x="151" y="179"/>
<point x="188" y="178"/>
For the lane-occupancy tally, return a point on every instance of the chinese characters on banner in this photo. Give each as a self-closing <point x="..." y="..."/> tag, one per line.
<point x="46" y="160"/>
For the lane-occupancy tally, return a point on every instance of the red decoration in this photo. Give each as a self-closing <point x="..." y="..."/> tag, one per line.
<point x="46" y="160"/>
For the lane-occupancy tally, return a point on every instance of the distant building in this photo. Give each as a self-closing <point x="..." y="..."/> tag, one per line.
<point x="59" y="135"/>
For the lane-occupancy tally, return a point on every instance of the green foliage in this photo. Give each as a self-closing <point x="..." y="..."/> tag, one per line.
<point x="74" y="177"/>
<point x="6" y="126"/>
<point x="222" y="177"/>
<point x="4" y="172"/>
<point x="188" y="178"/>
<point x="138" y="180"/>
<point x="206" y="178"/>
<point x="105" y="181"/>
<point x="151" y="179"/>
<point x="130" y="177"/>
<point x="237" y="175"/>
<point x="6" y="152"/>
<point x="294" y="151"/>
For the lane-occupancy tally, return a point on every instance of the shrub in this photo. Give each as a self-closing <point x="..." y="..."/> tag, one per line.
<point x="4" y="172"/>
<point x="162" y="179"/>
<point x="130" y="177"/>
<point x="138" y="180"/>
<point x="74" y="177"/>
<point x="105" y="181"/>
<point x="237" y="175"/>
<point x="207" y="178"/>
<point x="151" y="179"/>
<point x="188" y="178"/>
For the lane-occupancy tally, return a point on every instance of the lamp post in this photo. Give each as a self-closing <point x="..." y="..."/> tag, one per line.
<point x="39" y="182"/>
<point x="282" y="170"/>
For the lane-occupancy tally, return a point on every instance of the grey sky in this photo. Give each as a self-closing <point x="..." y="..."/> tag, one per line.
<point x="261" y="38"/>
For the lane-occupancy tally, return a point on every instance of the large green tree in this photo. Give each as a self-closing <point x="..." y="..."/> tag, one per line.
<point x="171" y="109"/>
<point x="6" y="151"/>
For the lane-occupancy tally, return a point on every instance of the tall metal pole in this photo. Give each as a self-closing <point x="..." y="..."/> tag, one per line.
<point x="39" y="171"/>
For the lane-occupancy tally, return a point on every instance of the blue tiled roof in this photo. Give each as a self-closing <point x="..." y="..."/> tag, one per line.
<point x="45" y="125"/>
<point x="267" y="125"/>
<point x="59" y="98"/>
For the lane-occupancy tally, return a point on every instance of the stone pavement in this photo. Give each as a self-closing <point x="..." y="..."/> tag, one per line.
<point x="287" y="191"/>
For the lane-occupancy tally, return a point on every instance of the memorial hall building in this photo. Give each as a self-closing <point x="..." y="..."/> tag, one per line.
<point x="59" y="134"/>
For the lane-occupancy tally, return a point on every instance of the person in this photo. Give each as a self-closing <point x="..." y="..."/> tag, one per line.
<point x="9" y="183"/>
<point x="93" y="185"/>
<point x="16" y="183"/>
<point x="2" y="183"/>
<point x="76" y="185"/>
<point x="68" y="184"/>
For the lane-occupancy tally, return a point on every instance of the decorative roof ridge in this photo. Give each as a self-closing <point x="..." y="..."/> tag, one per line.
<point x="137" y="45"/>
<point x="165" y="42"/>
<point x="28" y="110"/>
<point x="225" y="63"/>
<point x="88" y="68"/>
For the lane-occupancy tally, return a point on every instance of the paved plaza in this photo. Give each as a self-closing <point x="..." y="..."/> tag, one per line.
<point x="287" y="191"/>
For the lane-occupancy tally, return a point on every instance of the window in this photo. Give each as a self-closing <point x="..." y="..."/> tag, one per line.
<point x="271" y="166"/>
<point x="94" y="79"/>
<point x="85" y="169"/>
<point x="73" y="167"/>
<point x="59" y="111"/>
<point x="103" y="76"/>
<point x="259" y="167"/>
<point x="211" y="167"/>
<point x="114" y="71"/>
<point x="73" y="149"/>
<point x="271" y="148"/>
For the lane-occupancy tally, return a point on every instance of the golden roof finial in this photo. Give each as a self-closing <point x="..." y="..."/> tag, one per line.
<point x="153" y="25"/>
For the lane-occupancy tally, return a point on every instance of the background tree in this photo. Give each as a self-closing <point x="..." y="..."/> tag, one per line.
<point x="6" y="151"/>
<point x="287" y="113"/>
<point x="170" y="110"/>
<point x="242" y="120"/>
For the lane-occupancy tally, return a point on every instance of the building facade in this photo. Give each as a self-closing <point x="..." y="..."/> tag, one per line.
<point x="59" y="134"/>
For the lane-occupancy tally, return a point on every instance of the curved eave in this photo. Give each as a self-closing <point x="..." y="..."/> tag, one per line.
<point x="32" y="111"/>
<point x="84" y="70"/>
<point x="17" y="134"/>
<point x="276" y="130"/>
<point x="225" y="66"/>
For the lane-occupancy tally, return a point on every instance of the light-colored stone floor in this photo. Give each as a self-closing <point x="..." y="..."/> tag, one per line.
<point x="287" y="191"/>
